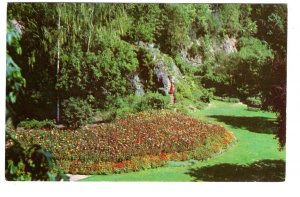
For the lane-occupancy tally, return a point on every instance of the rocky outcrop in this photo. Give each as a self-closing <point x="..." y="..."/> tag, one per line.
<point x="137" y="85"/>
<point x="165" y="70"/>
<point x="227" y="46"/>
<point x="194" y="61"/>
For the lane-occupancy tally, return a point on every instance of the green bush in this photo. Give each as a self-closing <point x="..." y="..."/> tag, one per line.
<point x="190" y="96"/>
<point x="184" y="67"/>
<point x="184" y="90"/>
<point x="194" y="50"/>
<point x="32" y="163"/>
<point x="76" y="112"/>
<point x="156" y="101"/>
<point x="233" y="100"/>
<point x="186" y="106"/>
<point x="227" y="99"/>
<point x="253" y="108"/>
<point x="134" y="104"/>
<point x="206" y="95"/>
<point x="36" y="124"/>
<point x="253" y="102"/>
<point x="105" y="115"/>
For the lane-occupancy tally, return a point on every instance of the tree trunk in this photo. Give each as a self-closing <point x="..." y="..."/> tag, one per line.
<point x="91" y="30"/>
<point x="57" y="71"/>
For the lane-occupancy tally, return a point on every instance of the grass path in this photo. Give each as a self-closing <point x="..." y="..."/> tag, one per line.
<point x="255" y="156"/>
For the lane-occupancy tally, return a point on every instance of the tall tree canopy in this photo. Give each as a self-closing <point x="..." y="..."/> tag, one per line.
<point x="92" y="51"/>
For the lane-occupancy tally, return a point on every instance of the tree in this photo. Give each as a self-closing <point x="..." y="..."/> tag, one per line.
<point x="248" y="67"/>
<point x="38" y="60"/>
<point x="32" y="163"/>
<point x="15" y="81"/>
<point x="144" y="22"/>
<point x="173" y="30"/>
<point x="271" y="23"/>
<point x="57" y="67"/>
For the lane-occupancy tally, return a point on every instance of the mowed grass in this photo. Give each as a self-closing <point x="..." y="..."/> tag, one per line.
<point x="254" y="157"/>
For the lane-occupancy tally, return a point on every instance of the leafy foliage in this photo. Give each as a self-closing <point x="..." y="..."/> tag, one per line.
<point x="134" y="104"/>
<point x="185" y="68"/>
<point x="254" y="102"/>
<point x="145" y="19"/>
<point x="14" y="80"/>
<point x="175" y="22"/>
<point x="35" y="124"/>
<point x="76" y="112"/>
<point x="30" y="164"/>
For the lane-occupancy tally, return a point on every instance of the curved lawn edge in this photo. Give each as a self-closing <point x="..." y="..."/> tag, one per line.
<point x="140" y="141"/>
<point x="249" y="149"/>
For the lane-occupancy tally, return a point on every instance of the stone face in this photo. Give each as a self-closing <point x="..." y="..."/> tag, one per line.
<point x="194" y="61"/>
<point x="229" y="45"/>
<point x="162" y="76"/>
<point x="18" y="26"/>
<point x="137" y="85"/>
<point x="164" y="69"/>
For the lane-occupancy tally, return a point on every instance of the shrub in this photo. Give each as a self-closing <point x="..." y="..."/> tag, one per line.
<point x="253" y="102"/>
<point x="233" y="100"/>
<point x="184" y="91"/>
<point x="227" y="99"/>
<point x="190" y="96"/>
<point x="32" y="163"/>
<point x="105" y="115"/>
<point x="194" y="50"/>
<point x="189" y="89"/>
<point x="36" y="124"/>
<point x="76" y="112"/>
<point x="134" y="104"/>
<point x="187" y="106"/>
<point x="185" y="67"/>
<point x="206" y="95"/>
<point x="253" y="109"/>
<point x="139" y="141"/>
<point x="156" y="101"/>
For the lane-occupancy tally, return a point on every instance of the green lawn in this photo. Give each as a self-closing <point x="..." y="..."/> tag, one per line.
<point x="254" y="157"/>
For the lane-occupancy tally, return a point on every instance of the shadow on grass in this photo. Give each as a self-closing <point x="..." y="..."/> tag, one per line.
<point x="261" y="171"/>
<point x="252" y="124"/>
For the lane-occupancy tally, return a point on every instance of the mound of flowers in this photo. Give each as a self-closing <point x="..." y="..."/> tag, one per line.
<point x="139" y="141"/>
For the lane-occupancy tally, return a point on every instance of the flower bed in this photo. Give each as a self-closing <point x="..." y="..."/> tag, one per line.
<point x="139" y="141"/>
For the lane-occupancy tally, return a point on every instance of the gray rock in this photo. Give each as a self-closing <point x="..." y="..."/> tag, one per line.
<point x="137" y="85"/>
<point x="164" y="69"/>
<point x="229" y="45"/>
<point x="194" y="61"/>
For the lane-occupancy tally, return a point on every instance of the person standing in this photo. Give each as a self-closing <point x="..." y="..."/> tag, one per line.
<point x="172" y="92"/>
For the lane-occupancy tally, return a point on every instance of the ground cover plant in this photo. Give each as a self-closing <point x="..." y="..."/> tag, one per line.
<point x="254" y="157"/>
<point x="139" y="141"/>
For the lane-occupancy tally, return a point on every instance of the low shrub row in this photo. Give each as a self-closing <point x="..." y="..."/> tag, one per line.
<point x="133" y="104"/>
<point x="227" y="99"/>
<point x="139" y="141"/>
<point x="76" y="112"/>
<point x="36" y="124"/>
<point x="254" y="102"/>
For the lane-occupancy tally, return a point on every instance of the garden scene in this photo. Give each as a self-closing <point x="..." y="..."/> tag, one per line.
<point x="146" y="92"/>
